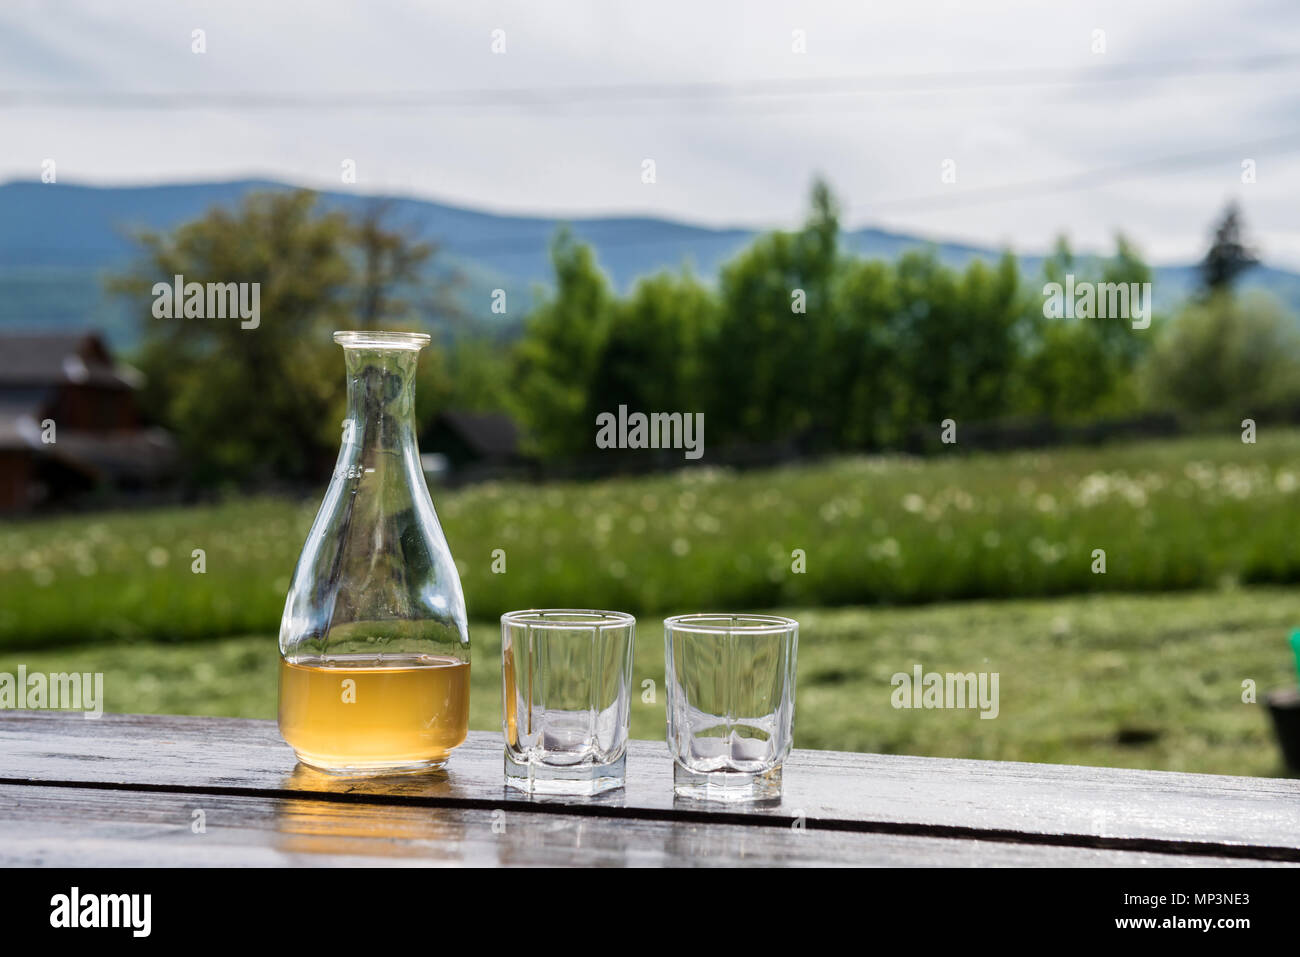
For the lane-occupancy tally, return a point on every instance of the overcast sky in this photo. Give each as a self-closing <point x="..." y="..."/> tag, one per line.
<point x="736" y="120"/>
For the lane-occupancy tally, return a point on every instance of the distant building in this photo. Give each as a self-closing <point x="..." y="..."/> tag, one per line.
<point x="474" y="445"/>
<point x="69" y="421"/>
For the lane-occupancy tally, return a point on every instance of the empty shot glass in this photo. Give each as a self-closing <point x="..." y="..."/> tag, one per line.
<point x="730" y="682"/>
<point x="566" y="678"/>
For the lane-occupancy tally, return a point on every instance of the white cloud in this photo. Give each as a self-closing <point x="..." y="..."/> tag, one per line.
<point x="733" y="161"/>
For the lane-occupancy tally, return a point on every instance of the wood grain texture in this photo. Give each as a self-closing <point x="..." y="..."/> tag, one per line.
<point x="960" y="801"/>
<point x="63" y="826"/>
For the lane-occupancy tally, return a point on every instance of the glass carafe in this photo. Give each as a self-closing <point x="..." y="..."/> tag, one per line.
<point x="374" y="648"/>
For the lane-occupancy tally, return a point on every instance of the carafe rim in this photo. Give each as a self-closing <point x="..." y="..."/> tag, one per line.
<point x="367" y="339"/>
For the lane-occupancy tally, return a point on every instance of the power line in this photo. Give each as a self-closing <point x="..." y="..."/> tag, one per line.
<point x="529" y="245"/>
<point x="1088" y="178"/>
<point x="621" y="94"/>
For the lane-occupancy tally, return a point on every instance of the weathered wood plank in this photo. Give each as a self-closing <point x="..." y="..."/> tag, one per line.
<point x="1133" y="810"/>
<point x="91" y="827"/>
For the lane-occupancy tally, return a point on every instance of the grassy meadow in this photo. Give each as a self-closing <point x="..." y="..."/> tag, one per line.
<point x="1171" y="515"/>
<point x="962" y="563"/>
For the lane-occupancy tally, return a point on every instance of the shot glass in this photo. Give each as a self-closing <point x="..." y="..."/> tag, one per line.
<point x="730" y="683"/>
<point x="566" y="678"/>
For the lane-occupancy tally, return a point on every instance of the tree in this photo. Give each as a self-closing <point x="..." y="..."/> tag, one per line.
<point x="392" y="264"/>
<point x="397" y="287"/>
<point x="263" y="403"/>
<point x="762" y="355"/>
<point x="1227" y="356"/>
<point x="1228" y="256"/>
<point x="800" y="341"/>
<point x="1076" y="368"/>
<point x="865" y="390"/>
<point x="955" y="338"/>
<point x="650" y="357"/>
<point x="556" y="360"/>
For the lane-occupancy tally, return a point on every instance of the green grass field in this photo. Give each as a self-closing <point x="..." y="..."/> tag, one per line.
<point x="1119" y="680"/>
<point x="1173" y="515"/>
<point x="979" y="563"/>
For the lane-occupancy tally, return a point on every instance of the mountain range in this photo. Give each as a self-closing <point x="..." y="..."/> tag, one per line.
<point x="59" y="241"/>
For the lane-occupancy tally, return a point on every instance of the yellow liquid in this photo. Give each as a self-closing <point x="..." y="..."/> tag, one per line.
<point x="351" y="714"/>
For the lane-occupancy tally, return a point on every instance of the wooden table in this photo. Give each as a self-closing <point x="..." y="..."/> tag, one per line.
<point x="164" y="790"/>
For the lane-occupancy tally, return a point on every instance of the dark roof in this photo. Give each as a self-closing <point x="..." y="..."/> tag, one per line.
<point x="487" y="433"/>
<point x="53" y="358"/>
<point x="145" y="454"/>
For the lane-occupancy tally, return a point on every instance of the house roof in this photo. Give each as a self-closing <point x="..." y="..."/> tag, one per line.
<point x="144" y="454"/>
<point x="487" y="433"/>
<point x="56" y="358"/>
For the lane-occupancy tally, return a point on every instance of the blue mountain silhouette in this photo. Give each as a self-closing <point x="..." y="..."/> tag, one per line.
<point x="59" y="241"/>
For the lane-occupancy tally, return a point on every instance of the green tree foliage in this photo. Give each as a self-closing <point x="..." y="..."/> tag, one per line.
<point x="557" y="360"/>
<point x="247" y="403"/>
<point x="651" y="356"/>
<point x="1228" y="256"/>
<point x="1078" y="368"/>
<point x="775" y="300"/>
<point x="256" y="404"/>
<point x="1227" y="358"/>
<point x="470" y="373"/>
<point x="955" y="338"/>
<point x="585" y="351"/>
<point x="865" y="392"/>
<point x="393" y="278"/>
<point x="798" y="340"/>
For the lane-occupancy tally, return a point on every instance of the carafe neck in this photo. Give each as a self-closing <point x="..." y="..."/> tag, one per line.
<point x="381" y="395"/>
<point x="381" y="402"/>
